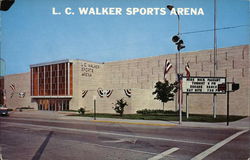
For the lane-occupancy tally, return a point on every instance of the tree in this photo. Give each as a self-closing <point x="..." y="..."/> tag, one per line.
<point x="119" y="106"/>
<point x="164" y="92"/>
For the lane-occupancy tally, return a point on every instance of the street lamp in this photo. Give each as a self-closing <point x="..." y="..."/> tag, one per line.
<point x="6" y="4"/>
<point x="170" y="7"/>
<point x="180" y="45"/>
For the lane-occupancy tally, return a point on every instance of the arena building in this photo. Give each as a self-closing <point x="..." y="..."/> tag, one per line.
<point x="71" y="84"/>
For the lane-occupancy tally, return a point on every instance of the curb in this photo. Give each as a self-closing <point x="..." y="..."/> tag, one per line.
<point x="133" y="123"/>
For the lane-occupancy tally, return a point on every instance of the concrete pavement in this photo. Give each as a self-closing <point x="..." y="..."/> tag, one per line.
<point x="53" y="137"/>
<point x="241" y="124"/>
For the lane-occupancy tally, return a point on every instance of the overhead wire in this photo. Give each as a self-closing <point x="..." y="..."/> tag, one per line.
<point x="209" y="30"/>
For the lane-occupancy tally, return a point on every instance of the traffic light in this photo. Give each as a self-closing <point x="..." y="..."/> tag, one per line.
<point x="6" y="4"/>
<point x="235" y="86"/>
<point x="179" y="42"/>
<point x="180" y="45"/>
<point x="176" y="39"/>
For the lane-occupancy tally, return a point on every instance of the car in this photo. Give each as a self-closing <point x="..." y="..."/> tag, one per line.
<point x="4" y="111"/>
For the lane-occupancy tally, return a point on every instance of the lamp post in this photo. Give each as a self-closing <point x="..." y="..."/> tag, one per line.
<point x="180" y="45"/>
<point x="170" y="7"/>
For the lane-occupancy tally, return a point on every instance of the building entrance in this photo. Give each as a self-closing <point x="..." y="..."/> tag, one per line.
<point x="53" y="104"/>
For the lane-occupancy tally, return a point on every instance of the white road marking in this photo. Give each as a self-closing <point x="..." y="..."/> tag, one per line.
<point x="212" y="149"/>
<point x="130" y="140"/>
<point x="164" y="154"/>
<point x="107" y="133"/>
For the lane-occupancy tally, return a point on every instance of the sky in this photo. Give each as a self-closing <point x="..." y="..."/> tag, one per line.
<point x="31" y="34"/>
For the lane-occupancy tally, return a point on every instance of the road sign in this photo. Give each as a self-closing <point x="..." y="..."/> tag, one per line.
<point x="203" y="85"/>
<point x="229" y="86"/>
<point x="235" y="86"/>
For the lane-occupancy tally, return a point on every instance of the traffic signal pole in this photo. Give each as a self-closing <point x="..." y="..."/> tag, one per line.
<point x="179" y="72"/>
<point x="180" y="45"/>
<point x="179" y="92"/>
<point x="227" y="107"/>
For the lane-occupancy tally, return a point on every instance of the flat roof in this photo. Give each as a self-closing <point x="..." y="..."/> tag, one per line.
<point x="50" y="63"/>
<point x="61" y="61"/>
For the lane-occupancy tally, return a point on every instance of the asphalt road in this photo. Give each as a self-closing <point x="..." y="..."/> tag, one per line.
<point x="29" y="138"/>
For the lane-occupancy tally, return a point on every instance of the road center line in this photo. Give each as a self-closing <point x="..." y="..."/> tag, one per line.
<point x="108" y="133"/>
<point x="212" y="149"/>
<point x="164" y="154"/>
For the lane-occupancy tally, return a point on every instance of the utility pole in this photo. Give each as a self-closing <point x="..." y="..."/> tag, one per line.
<point x="215" y="56"/>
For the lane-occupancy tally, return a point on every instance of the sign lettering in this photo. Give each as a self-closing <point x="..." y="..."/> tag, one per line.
<point x="203" y="85"/>
<point x="88" y="69"/>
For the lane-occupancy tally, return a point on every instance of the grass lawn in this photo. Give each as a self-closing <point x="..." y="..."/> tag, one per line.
<point x="166" y="117"/>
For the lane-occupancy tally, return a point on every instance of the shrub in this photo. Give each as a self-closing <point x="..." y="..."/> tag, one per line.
<point x="119" y="106"/>
<point x="26" y="107"/>
<point x="81" y="111"/>
<point x="154" y="111"/>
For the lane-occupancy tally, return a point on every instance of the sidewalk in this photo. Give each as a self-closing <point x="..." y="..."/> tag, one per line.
<point x="123" y="121"/>
<point x="241" y="124"/>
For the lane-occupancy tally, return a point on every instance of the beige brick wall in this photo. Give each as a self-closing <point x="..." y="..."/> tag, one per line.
<point x="22" y="84"/>
<point x="141" y="74"/>
<point x="86" y="76"/>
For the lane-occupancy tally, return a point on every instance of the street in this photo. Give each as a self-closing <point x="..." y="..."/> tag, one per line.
<point x="57" y="139"/>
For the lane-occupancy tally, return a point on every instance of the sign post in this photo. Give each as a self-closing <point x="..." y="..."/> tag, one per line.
<point x="209" y="85"/>
<point x="180" y="94"/>
<point x="214" y="105"/>
<point x="229" y="87"/>
<point x="203" y="85"/>
<point x="94" y="98"/>
<point x="227" y="107"/>
<point x="187" y="110"/>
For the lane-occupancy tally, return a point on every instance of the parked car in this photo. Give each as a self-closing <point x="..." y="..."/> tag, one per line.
<point x="4" y="111"/>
